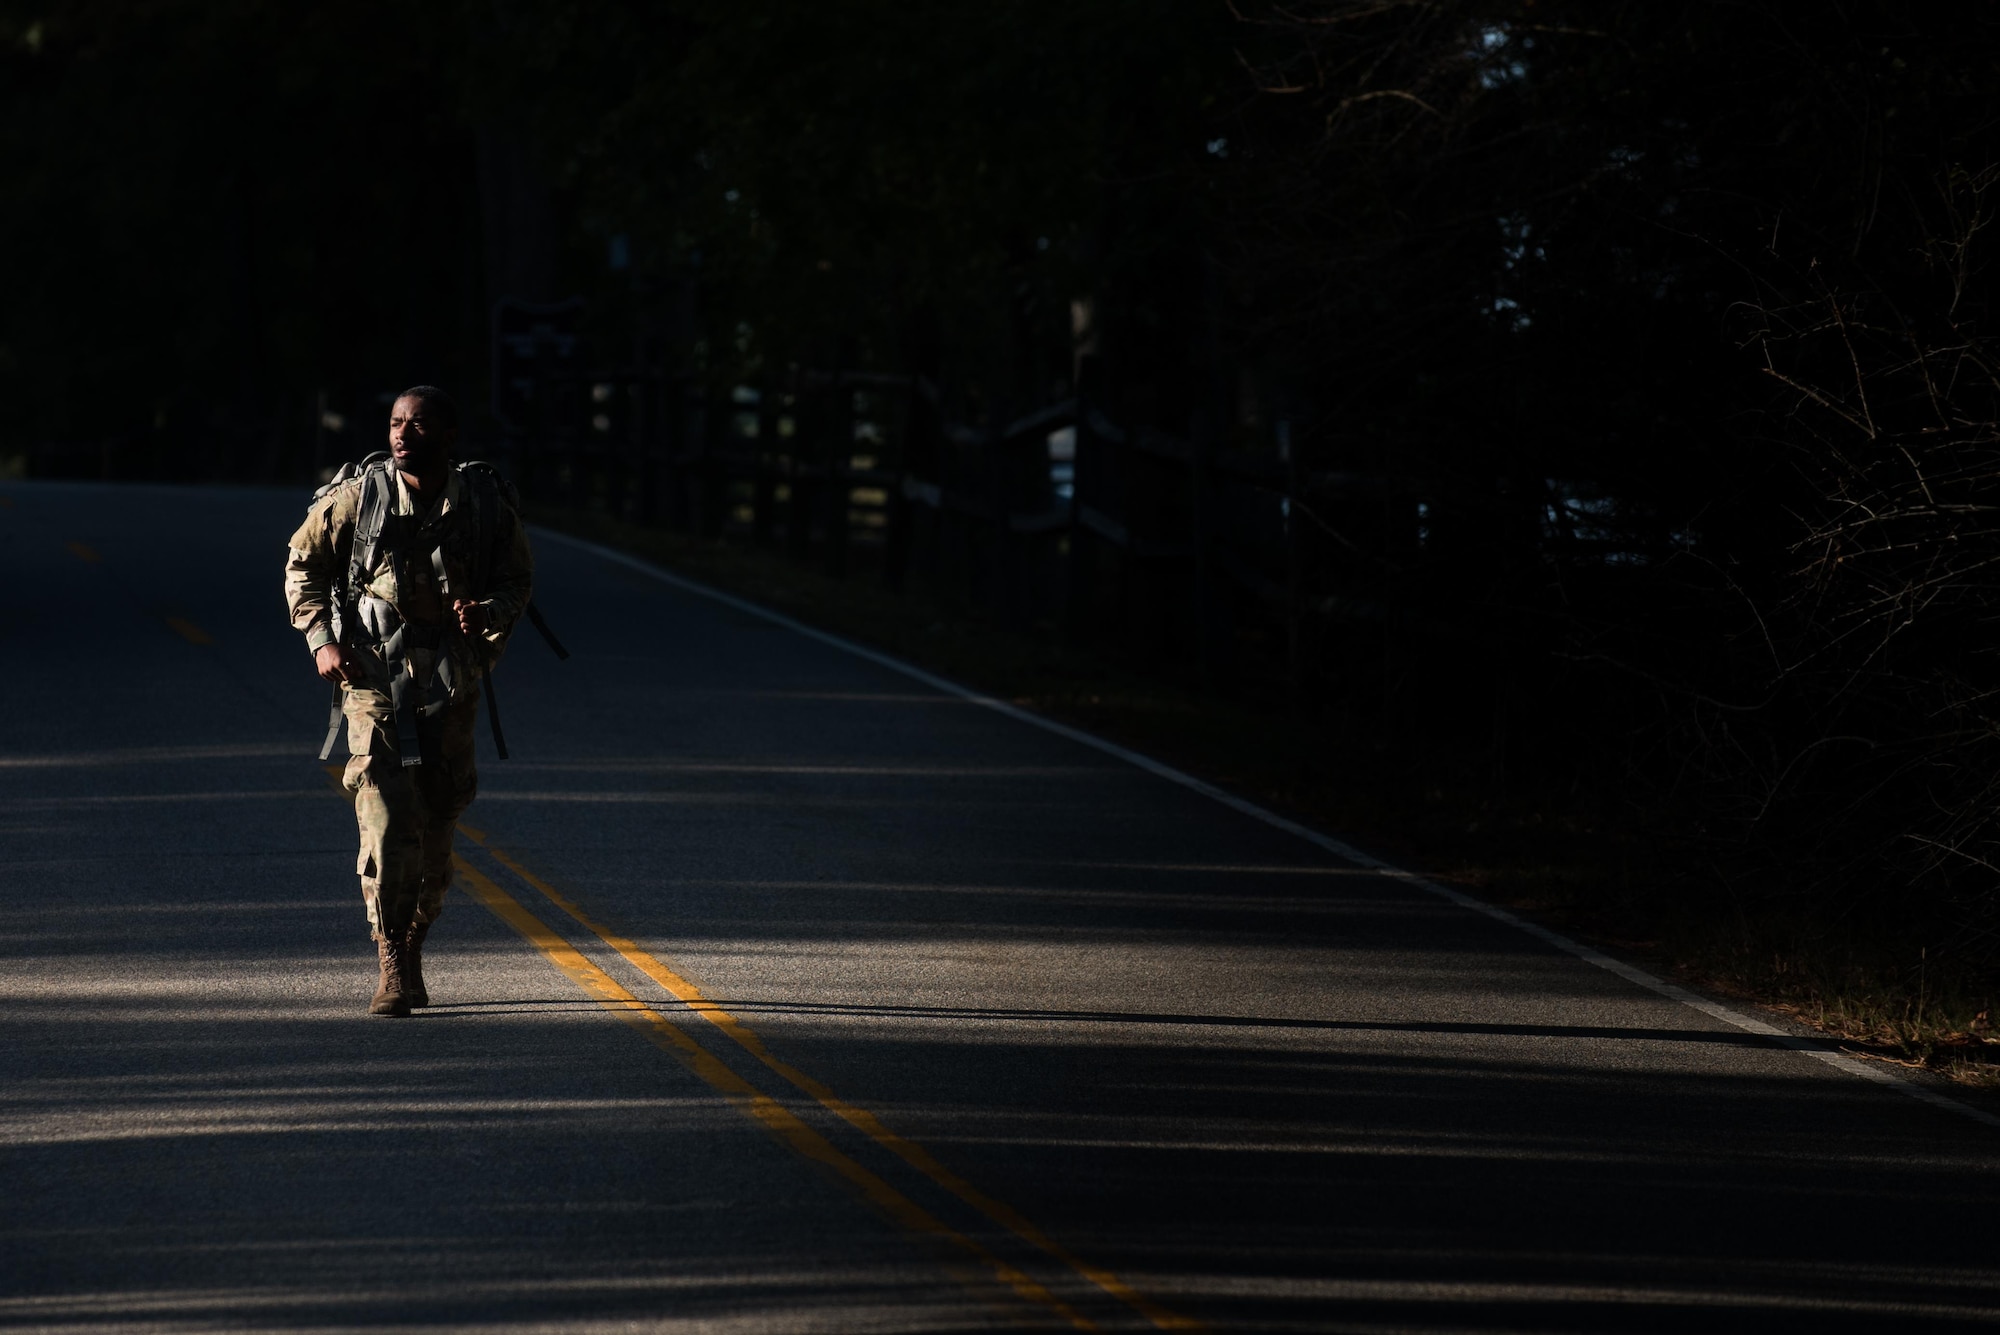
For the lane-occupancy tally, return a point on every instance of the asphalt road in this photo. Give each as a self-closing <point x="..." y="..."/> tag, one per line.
<point x="783" y="992"/>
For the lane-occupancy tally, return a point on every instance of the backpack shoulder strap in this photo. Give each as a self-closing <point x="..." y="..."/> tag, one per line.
<point x="373" y="474"/>
<point x="368" y="523"/>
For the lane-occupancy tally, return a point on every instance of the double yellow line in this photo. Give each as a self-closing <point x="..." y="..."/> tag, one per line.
<point x="780" y="1121"/>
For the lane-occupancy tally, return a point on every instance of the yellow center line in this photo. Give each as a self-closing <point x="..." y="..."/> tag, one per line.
<point x="190" y="632"/>
<point x="916" y="1156"/>
<point x="760" y="1107"/>
<point x="83" y="552"/>
<point x="766" y="1111"/>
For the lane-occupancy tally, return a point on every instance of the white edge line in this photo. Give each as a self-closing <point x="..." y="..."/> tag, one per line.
<point x="1346" y="852"/>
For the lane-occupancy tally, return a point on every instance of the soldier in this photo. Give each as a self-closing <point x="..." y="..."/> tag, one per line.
<point x="406" y="579"/>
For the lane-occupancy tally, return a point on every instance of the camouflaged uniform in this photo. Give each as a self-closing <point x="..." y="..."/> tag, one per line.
<point x="473" y="539"/>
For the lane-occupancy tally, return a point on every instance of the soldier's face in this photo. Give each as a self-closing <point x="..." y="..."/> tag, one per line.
<point x="418" y="441"/>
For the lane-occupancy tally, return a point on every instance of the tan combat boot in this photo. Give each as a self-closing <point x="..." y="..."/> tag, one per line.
<point x="390" y="998"/>
<point x="413" y="964"/>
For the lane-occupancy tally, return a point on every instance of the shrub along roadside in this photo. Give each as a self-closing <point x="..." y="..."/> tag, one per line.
<point x="1638" y="880"/>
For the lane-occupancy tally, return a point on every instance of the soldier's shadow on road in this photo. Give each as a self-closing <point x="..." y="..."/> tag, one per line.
<point x="462" y="1010"/>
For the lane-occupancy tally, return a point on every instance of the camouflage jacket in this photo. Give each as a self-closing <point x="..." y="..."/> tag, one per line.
<point x="484" y="546"/>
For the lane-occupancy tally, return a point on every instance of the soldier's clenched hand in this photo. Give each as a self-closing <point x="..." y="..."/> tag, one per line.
<point x="336" y="662"/>
<point x="471" y="616"/>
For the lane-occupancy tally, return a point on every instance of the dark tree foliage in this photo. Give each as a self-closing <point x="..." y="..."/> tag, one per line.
<point x="840" y="171"/>
<point x="1886" y="646"/>
<point x="1669" y="308"/>
<point x="238" y="206"/>
<point x="216" y="212"/>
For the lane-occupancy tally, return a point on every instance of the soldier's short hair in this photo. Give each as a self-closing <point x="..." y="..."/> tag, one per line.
<point x="438" y="403"/>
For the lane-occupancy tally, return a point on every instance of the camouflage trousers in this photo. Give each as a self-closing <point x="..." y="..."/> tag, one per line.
<point x="407" y="815"/>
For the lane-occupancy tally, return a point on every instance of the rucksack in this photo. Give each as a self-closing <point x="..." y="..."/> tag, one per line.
<point x="486" y="489"/>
